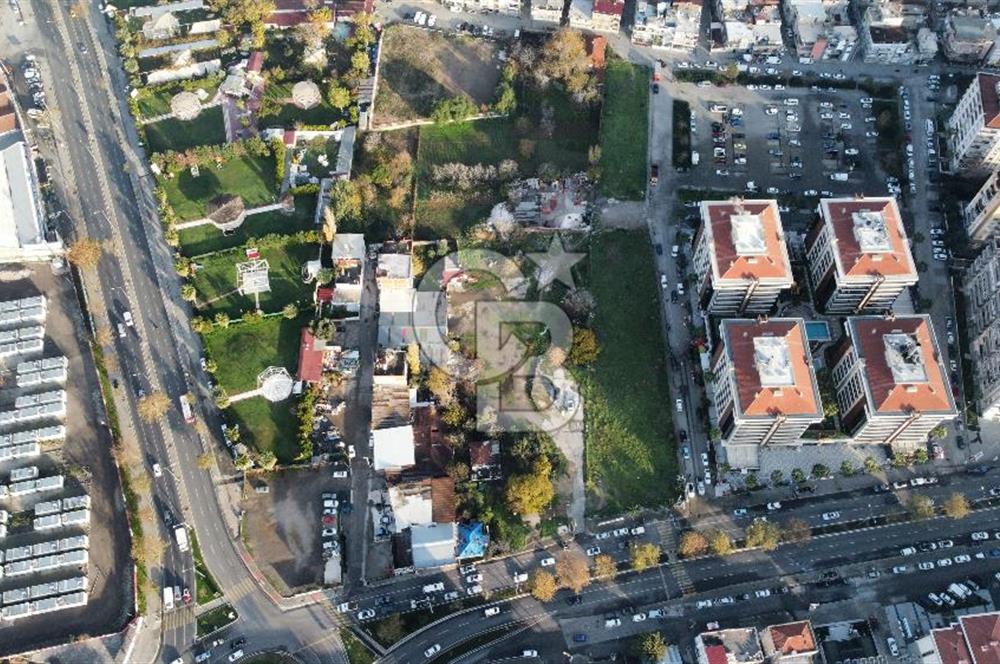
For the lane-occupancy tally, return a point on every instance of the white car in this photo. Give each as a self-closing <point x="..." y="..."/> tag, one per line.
<point x="701" y="488"/>
<point x="450" y="596"/>
<point x="467" y="569"/>
<point x="962" y="558"/>
<point x="431" y="20"/>
<point x="620" y="532"/>
<point x="664" y="284"/>
<point x="908" y="551"/>
<point x="433" y="650"/>
<point x="772" y="507"/>
<point x="831" y="516"/>
<point x="638" y="617"/>
<point x="980" y="536"/>
<point x="944" y="562"/>
<point x="611" y="623"/>
<point x="351" y="452"/>
<point x="474" y="578"/>
<point x="594" y="551"/>
<point x="704" y="604"/>
<point x="127" y="317"/>
<point x="474" y="590"/>
<point x="157" y="471"/>
<point x="638" y="530"/>
<point x="529" y="653"/>
<point x="770" y="110"/>
<point x="491" y="611"/>
<point x="679" y="404"/>
<point x="926" y="565"/>
<point x="367" y="614"/>
<point x="764" y="592"/>
<point x="548" y="562"/>
<point x="893" y="648"/>
<point x="236" y="655"/>
<point x="900" y="569"/>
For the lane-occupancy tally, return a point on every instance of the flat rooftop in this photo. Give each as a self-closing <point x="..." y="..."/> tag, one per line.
<point x="20" y="211"/>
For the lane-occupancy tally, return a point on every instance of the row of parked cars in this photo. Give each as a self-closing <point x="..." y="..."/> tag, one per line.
<point x="760" y="593"/>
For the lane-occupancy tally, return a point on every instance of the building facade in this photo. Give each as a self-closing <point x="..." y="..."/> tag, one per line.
<point x="859" y="256"/>
<point x="981" y="215"/>
<point x="547" y="11"/>
<point x="662" y="25"/>
<point x="890" y="381"/>
<point x="981" y="291"/>
<point x="974" y="128"/>
<point x="764" y="386"/>
<point x="740" y="257"/>
<point x="596" y="15"/>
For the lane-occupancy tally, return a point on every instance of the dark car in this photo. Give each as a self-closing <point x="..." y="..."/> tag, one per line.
<point x="683" y="435"/>
<point x="573" y="600"/>
<point x="238" y="643"/>
<point x="579" y="638"/>
<point x="659" y="249"/>
<point x="656" y="88"/>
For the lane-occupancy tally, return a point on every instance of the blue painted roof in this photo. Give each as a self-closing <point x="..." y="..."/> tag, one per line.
<point x="472" y="540"/>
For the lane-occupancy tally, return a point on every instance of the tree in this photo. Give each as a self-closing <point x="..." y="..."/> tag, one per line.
<point x="413" y="360"/>
<point x="820" y="471"/>
<point x="290" y="311"/>
<point x="205" y="461"/>
<point x="564" y="59"/>
<point x="543" y="586"/>
<point x="871" y="465"/>
<point x="651" y="647"/>
<point x="751" y="481"/>
<point x="692" y="543"/>
<point x="846" y="468"/>
<point x="920" y="507"/>
<point x="531" y="493"/>
<point x="920" y="456"/>
<point x="211" y="366"/>
<point x="363" y="35"/>
<point x="243" y="462"/>
<point x="314" y="29"/>
<point x="153" y="406"/>
<point x="267" y="460"/>
<point x="938" y="432"/>
<point x="720" y="542"/>
<point x="221" y="397"/>
<point x="573" y="572"/>
<point x="797" y="530"/>
<point x="798" y="476"/>
<point x="585" y="348"/>
<point x="644" y="556"/>
<point x="345" y="201"/>
<point x="84" y="254"/>
<point x="441" y="385"/>
<point x="604" y="566"/>
<point x="777" y="477"/>
<point x="763" y="534"/>
<point x="360" y="65"/>
<point x="899" y="460"/>
<point x="245" y="14"/>
<point x="957" y="506"/>
<point x="337" y="95"/>
<point x="188" y="293"/>
<point x="454" y="109"/>
<point x="222" y="320"/>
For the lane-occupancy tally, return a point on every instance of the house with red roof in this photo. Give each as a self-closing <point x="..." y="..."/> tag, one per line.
<point x="740" y="257"/>
<point x="789" y="643"/>
<point x="739" y="645"/>
<point x="765" y="386"/>
<point x="891" y="383"/>
<point x="859" y="256"/>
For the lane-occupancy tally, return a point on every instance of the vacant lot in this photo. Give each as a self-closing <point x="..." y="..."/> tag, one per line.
<point x="443" y="211"/>
<point x="420" y="67"/>
<point x="179" y="135"/>
<point x="207" y="238"/>
<point x="243" y="350"/>
<point x="266" y="426"/>
<point x="283" y="527"/>
<point x="216" y="281"/>
<point x="624" y="130"/>
<point x="631" y="461"/>
<point x="249" y="177"/>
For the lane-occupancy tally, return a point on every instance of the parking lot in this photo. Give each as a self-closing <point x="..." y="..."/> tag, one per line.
<point x="778" y="143"/>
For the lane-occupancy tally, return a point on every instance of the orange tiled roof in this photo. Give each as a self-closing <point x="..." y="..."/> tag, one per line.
<point x="729" y="264"/>
<point x="839" y="214"/>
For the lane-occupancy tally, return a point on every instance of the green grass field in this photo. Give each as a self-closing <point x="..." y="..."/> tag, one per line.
<point x="153" y="103"/>
<point x="289" y="115"/>
<point x="267" y="426"/>
<point x="243" y="350"/>
<point x="630" y="449"/>
<point x="249" y="177"/>
<point x="624" y="130"/>
<point x="207" y="238"/>
<point x="215" y="281"/>
<point x="179" y="135"/>
<point x="445" y="213"/>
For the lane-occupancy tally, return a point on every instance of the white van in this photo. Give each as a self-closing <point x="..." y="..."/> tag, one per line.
<point x="791" y="101"/>
<point x="434" y="587"/>
<point x="168" y="598"/>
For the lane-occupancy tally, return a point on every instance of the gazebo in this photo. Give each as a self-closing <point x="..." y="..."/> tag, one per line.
<point x="185" y="105"/>
<point x="306" y="94"/>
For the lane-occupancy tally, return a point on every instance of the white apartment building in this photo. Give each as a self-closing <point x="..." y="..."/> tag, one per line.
<point x="740" y="257"/>
<point x="750" y="25"/>
<point x="982" y="214"/>
<point x="821" y="27"/>
<point x="858" y="254"/>
<point x="892" y="387"/>
<point x="981" y="291"/>
<point x="974" y="128"/>
<point x="547" y="11"/>
<point x="596" y="15"/>
<point x="765" y="386"/>
<point x="508" y="7"/>
<point x="660" y="25"/>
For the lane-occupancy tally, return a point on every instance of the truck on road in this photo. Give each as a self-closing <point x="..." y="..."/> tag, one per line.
<point x="181" y="535"/>
<point x="168" y="598"/>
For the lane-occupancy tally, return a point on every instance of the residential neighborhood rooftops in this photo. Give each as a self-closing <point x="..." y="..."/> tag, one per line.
<point x="433" y="544"/>
<point x="982" y="633"/>
<point x="794" y="638"/>
<point x="392" y="448"/>
<point x="868" y="237"/>
<point x="988" y="84"/>
<point x="745" y="240"/>
<point x="310" y="358"/>
<point x="951" y="645"/>
<point x="739" y="645"/>
<point x="903" y="371"/>
<point x="394" y="266"/>
<point x="771" y="365"/>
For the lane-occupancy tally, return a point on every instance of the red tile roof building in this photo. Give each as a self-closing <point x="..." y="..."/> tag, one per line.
<point x="310" y="358"/>
<point x="765" y="385"/>
<point x="982" y="635"/>
<point x="974" y="128"/>
<point x="739" y="645"/>
<point x="859" y="256"/>
<point x="790" y="643"/>
<point x="740" y="257"/>
<point x="949" y="642"/>
<point x="891" y="385"/>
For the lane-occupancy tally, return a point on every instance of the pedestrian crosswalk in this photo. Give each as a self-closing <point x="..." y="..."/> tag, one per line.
<point x="241" y="589"/>
<point x="178" y="618"/>
<point x="668" y="543"/>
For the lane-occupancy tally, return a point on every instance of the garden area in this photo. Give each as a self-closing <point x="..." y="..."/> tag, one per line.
<point x="248" y="175"/>
<point x="216" y="619"/>
<point x="421" y="67"/>
<point x="682" y="134"/>
<point x="624" y="130"/>
<point x="266" y="426"/>
<point x="179" y="135"/>
<point x="198" y="240"/>
<point x="153" y="101"/>
<point x="242" y="350"/>
<point x="215" y="279"/>
<point x="630" y="455"/>
<point x="279" y="111"/>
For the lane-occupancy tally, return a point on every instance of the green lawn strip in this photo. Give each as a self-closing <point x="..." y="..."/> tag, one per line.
<point x="357" y="651"/>
<point x="199" y="240"/>
<point x="215" y="619"/>
<point x="207" y="589"/>
<point x="266" y="426"/>
<point x="215" y="280"/>
<point x="630" y="457"/>
<point x="249" y="177"/>
<point x="179" y="135"/>
<point x="624" y="130"/>
<point x="682" y="134"/>
<point x="243" y="350"/>
<point x="156" y="102"/>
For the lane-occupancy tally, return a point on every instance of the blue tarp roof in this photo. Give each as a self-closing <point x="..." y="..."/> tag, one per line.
<point x="472" y="540"/>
